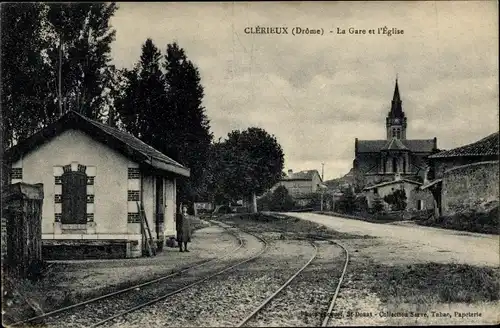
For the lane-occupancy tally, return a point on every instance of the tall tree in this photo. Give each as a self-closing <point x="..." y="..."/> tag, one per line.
<point x="81" y="38"/>
<point x="41" y="42"/>
<point x="216" y="192"/>
<point x="252" y="162"/>
<point x="142" y="106"/>
<point x="26" y="98"/>
<point x="189" y="128"/>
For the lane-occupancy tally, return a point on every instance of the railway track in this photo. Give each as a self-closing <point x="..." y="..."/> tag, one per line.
<point x="328" y="314"/>
<point x="270" y="298"/>
<point x="132" y="294"/>
<point x="251" y="321"/>
<point x="226" y="300"/>
<point x="114" y="306"/>
<point x="179" y="290"/>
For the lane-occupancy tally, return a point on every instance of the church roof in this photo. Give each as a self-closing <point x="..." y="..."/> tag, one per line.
<point x="395" y="144"/>
<point x="487" y="146"/>
<point x="416" y="145"/>
<point x="121" y="141"/>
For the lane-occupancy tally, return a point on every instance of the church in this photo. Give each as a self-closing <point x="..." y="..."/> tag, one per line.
<point x="382" y="160"/>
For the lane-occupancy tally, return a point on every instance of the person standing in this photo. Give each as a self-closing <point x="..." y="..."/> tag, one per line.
<point x="183" y="228"/>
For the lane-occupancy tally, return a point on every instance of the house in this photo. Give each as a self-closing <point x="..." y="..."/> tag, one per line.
<point x="202" y="207"/>
<point x="378" y="160"/>
<point x="416" y="199"/>
<point x="465" y="178"/>
<point x="482" y="150"/>
<point x="300" y="183"/>
<point x="95" y="179"/>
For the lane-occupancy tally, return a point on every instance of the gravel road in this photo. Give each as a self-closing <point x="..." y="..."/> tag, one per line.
<point x="225" y="301"/>
<point x="415" y="244"/>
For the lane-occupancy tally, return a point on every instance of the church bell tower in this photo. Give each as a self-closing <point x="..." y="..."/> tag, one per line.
<point x="396" y="119"/>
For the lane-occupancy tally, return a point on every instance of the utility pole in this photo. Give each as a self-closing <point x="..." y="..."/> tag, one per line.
<point x="59" y="77"/>
<point x="322" y="177"/>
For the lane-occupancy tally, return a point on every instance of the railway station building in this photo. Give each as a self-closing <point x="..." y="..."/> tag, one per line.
<point x="103" y="188"/>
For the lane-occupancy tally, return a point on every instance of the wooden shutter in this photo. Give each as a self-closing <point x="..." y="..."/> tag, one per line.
<point x="74" y="198"/>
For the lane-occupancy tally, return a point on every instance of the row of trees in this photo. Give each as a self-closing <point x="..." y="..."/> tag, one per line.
<point x="159" y="101"/>
<point x="56" y="57"/>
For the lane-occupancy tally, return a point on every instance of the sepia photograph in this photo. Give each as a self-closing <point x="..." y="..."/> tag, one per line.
<point x="249" y="164"/>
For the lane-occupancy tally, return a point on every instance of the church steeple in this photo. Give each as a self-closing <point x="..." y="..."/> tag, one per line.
<point x="396" y="119"/>
<point x="396" y="108"/>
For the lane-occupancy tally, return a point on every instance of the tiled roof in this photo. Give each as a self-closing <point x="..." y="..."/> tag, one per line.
<point x="302" y="175"/>
<point x="416" y="145"/>
<point x="132" y="141"/>
<point x="123" y="142"/>
<point x="487" y="146"/>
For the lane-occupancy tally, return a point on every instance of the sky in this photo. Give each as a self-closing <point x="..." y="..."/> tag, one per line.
<point x="317" y="93"/>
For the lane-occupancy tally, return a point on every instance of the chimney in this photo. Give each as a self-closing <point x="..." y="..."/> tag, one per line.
<point x="290" y="173"/>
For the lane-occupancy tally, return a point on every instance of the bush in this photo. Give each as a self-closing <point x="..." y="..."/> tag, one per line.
<point x="472" y="221"/>
<point x="378" y="205"/>
<point x="280" y="200"/>
<point x="397" y="200"/>
<point x="347" y="203"/>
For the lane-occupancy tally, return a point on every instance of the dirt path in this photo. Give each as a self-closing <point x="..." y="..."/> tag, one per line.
<point x="414" y="244"/>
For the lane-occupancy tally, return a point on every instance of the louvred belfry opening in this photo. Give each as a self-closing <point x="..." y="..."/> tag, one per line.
<point x="74" y="198"/>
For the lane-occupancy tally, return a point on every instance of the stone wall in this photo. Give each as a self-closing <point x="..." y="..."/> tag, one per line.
<point x="441" y="165"/>
<point x="472" y="187"/>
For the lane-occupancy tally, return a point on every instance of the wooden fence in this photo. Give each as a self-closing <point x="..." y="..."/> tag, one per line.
<point x="22" y="209"/>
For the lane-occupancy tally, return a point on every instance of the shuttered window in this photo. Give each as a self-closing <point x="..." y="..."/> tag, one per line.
<point x="74" y="198"/>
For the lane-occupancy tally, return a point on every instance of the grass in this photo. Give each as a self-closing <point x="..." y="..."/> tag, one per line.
<point x="21" y="298"/>
<point x="290" y="226"/>
<point x="430" y="283"/>
<point x="472" y="222"/>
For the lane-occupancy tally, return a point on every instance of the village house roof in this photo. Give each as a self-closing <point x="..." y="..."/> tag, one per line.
<point x="375" y="146"/>
<point x="487" y="146"/>
<point x="121" y="141"/>
<point x="302" y="175"/>
<point x="393" y="182"/>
